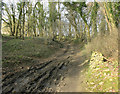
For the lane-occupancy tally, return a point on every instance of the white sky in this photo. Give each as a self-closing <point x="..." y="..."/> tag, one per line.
<point x="7" y="1"/>
<point x="45" y="2"/>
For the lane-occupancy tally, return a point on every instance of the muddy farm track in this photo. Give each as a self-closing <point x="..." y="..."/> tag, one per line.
<point x="47" y="76"/>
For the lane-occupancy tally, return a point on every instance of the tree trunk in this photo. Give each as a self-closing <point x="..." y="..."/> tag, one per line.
<point x="60" y="32"/>
<point x="23" y="20"/>
<point x="108" y="16"/>
<point x="20" y="30"/>
<point x="34" y="26"/>
<point x="70" y="34"/>
<point x="34" y="30"/>
<point x="13" y="17"/>
<point x="87" y="26"/>
<point x="20" y="14"/>
<point x="88" y="35"/>
<point x="28" y="18"/>
<point x="14" y="24"/>
<point x="0" y="17"/>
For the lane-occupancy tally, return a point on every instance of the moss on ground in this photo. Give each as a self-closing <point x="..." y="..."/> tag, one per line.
<point x="16" y="51"/>
<point x="102" y="75"/>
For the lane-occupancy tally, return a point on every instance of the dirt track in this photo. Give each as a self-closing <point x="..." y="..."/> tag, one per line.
<point x="60" y="73"/>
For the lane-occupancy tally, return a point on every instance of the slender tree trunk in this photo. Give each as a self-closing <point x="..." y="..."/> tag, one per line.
<point x="10" y="20"/>
<point x="0" y="47"/>
<point x="88" y="35"/>
<point x="60" y="32"/>
<point x="76" y="32"/>
<point x="87" y="26"/>
<point x="28" y="27"/>
<point x="94" y="19"/>
<point x="108" y="16"/>
<point x="75" y="27"/>
<point x="34" y="29"/>
<point x="23" y="20"/>
<point x="0" y="17"/>
<point x="52" y="19"/>
<point x="34" y="20"/>
<point x="20" y="29"/>
<point x="70" y="34"/>
<point x="28" y="18"/>
<point x="20" y="14"/>
<point x="10" y="25"/>
<point x="14" y="24"/>
<point x="13" y="17"/>
<point x="94" y="27"/>
<point x="73" y="23"/>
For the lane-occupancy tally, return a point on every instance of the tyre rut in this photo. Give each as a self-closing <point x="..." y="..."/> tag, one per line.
<point x="38" y="78"/>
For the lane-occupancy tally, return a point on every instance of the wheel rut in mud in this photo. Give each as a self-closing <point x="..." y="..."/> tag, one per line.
<point x="41" y="77"/>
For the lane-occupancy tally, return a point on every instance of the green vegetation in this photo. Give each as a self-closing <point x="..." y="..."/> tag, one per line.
<point x="102" y="75"/>
<point x="16" y="51"/>
<point x="38" y="30"/>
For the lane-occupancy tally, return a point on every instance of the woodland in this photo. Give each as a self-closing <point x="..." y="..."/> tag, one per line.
<point x="46" y="41"/>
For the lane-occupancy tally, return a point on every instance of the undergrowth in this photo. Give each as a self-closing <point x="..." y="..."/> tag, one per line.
<point x="102" y="74"/>
<point x="107" y="45"/>
<point x="16" y="51"/>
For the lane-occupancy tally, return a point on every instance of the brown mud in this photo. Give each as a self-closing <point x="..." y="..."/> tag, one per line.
<point x="61" y="72"/>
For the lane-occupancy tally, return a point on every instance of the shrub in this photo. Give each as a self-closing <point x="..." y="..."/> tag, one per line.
<point x="107" y="45"/>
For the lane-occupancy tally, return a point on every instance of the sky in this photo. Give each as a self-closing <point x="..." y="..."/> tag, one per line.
<point x="45" y="2"/>
<point x="7" y="1"/>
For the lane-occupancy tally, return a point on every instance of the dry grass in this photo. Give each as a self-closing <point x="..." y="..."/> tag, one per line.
<point x="107" y="45"/>
<point x="102" y="76"/>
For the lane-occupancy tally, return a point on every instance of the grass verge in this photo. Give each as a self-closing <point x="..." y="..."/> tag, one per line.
<point x="16" y="51"/>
